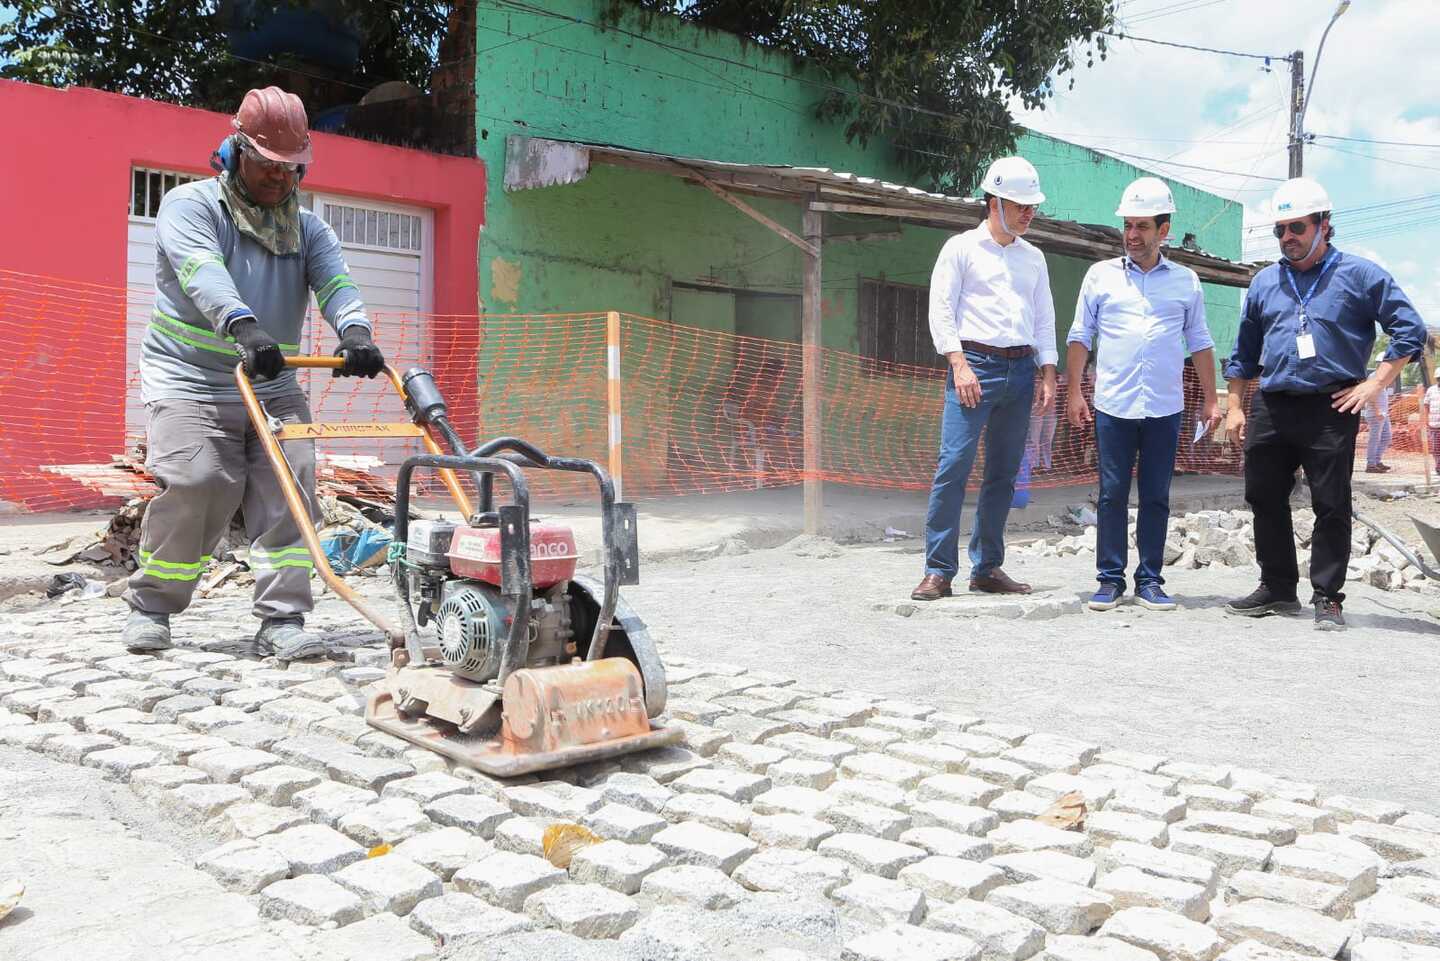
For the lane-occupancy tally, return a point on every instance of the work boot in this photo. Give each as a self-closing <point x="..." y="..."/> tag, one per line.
<point x="287" y="639"/>
<point x="145" y="632"/>
<point x="1262" y="601"/>
<point x="1327" y="615"/>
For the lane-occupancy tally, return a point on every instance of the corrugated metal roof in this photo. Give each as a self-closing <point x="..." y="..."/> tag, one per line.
<point x="538" y="162"/>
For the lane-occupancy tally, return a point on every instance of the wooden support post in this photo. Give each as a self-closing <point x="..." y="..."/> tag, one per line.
<point x="811" y="380"/>
<point x="612" y="377"/>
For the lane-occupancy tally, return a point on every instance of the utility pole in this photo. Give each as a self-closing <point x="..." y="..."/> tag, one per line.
<point x="1298" y="101"/>
<point x="1297" y="113"/>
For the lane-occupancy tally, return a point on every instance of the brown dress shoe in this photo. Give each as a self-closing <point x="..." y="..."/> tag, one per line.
<point x="931" y="588"/>
<point x="998" y="582"/>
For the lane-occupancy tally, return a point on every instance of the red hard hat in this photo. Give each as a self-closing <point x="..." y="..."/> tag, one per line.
<point x="274" y="122"/>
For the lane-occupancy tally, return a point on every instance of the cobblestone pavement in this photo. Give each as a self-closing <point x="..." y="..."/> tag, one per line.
<point x="800" y="822"/>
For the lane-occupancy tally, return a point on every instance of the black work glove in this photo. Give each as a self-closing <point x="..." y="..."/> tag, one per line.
<point x="259" y="352"/>
<point x="362" y="357"/>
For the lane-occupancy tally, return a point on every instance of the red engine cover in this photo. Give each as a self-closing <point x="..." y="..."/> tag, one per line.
<point x="475" y="553"/>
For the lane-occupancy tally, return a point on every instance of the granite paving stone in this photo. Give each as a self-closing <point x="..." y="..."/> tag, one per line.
<point x="1169" y="936"/>
<point x="310" y="900"/>
<point x="244" y="866"/>
<point x="456" y="916"/>
<point x="444" y="850"/>
<point x="703" y="888"/>
<point x="389" y="883"/>
<point x="616" y="865"/>
<point x="584" y="910"/>
<point x="880" y="901"/>
<point x="387" y="821"/>
<point x="1056" y="906"/>
<point x="474" y="813"/>
<point x="1131" y="887"/>
<point x="906" y="942"/>
<point x="314" y="849"/>
<point x="506" y="879"/>
<point x="1001" y="935"/>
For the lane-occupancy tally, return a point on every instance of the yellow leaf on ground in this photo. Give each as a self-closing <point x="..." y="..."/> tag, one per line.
<point x="563" y="839"/>
<point x="1067" y="812"/>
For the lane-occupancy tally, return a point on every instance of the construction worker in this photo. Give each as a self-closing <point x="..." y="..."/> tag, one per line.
<point x="1141" y="313"/>
<point x="237" y="259"/>
<point x="1306" y="332"/>
<point x="992" y="317"/>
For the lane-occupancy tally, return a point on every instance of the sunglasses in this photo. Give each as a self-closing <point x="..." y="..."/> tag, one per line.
<point x="265" y="163"/>
<point x="1297" y="228"/>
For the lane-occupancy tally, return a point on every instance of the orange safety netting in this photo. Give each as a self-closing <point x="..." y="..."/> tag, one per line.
<point x="701" y="410"/>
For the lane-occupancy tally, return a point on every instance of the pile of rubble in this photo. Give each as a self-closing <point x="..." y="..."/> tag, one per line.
<point x="1227" y="538"/>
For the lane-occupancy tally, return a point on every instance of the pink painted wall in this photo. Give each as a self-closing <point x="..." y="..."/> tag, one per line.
<point x="64" y="191"/>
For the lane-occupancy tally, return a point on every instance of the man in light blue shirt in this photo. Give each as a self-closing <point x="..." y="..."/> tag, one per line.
<point x="1141" y="313"/>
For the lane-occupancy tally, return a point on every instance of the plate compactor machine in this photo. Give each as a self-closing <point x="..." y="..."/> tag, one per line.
<point x="530" y="666"/>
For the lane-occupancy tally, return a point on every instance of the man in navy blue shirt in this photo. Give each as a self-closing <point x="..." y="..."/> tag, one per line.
<point x="1306" y="332"/>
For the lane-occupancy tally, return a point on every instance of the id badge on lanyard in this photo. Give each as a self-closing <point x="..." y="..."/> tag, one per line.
<point x="1304" y="340"/>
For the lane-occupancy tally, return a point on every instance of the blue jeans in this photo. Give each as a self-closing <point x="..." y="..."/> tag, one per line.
<point x="1120" y="439"/>
<point x="1002" y="418"/>
<point x="1379" y="440"/>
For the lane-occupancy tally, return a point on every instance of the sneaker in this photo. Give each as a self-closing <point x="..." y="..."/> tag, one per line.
<point x="1328" y="616"/>
<point x="1262" y="601"/>
<point x="1107" y="598"/>
<point x="145" y="632"/>
<point x="287" y="639"/>
<point x="1152" y="597"/>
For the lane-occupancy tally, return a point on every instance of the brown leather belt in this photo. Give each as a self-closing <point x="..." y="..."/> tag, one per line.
<point x="1010" y="353"/>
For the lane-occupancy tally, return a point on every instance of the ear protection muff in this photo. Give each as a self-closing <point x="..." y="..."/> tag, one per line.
<point x="227" y="157"/>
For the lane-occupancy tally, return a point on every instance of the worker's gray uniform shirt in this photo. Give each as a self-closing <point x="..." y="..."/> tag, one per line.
<point x="208" y="274"/>
<point x="202" y="449"/>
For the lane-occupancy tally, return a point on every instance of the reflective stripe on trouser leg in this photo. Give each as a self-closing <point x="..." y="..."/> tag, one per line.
<point x="197" y="458"/>
<point x="278" y="558"/>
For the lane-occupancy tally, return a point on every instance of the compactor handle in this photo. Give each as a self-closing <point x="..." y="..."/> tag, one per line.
<point x="324" y="362"/>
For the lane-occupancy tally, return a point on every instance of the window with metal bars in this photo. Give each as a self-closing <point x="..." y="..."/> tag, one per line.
<point x="374" y="228"/>
<point x="894" y="324"/>
<point x="148" y="187"/>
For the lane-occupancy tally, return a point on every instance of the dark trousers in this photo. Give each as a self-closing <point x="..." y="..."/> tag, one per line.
<point x="1285" y="432"/>
<point x="1121" y="440"/>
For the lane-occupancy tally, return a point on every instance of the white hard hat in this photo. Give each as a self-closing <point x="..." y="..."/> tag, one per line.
<point x="1146" y="197"/>
<point x="1298" y="198"/>
<point x="1014" y="179"/>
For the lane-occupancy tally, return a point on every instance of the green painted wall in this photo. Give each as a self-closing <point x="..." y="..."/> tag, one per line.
<point x="620" y="237"/>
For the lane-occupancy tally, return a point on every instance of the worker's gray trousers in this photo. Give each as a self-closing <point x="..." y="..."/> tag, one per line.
<point x="208" y="461"/>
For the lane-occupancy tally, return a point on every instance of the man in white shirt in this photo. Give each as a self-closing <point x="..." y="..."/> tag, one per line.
<point x="1141" y="313"/>
<point x="992" y="317"/>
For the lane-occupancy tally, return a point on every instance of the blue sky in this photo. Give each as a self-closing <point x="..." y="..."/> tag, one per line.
<point x="1378" y="80"/>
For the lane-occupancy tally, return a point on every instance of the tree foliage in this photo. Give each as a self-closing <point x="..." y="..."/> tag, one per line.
<point x="934" y="77"/>
<point x="186" y="51"/>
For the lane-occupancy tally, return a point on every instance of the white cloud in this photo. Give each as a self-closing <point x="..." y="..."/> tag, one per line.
<point x="1378" y="79"/>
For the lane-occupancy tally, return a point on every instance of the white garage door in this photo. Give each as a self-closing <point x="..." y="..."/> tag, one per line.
<point x="389" y="251"/>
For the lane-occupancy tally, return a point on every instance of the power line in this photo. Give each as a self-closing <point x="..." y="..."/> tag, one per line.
<point x="1384" y="160"/>
<point x="1185" y="7"/>
<point x="1385" y="143"/>
<point x="1213" y="170"/>
<point x="1189" y="46"/>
